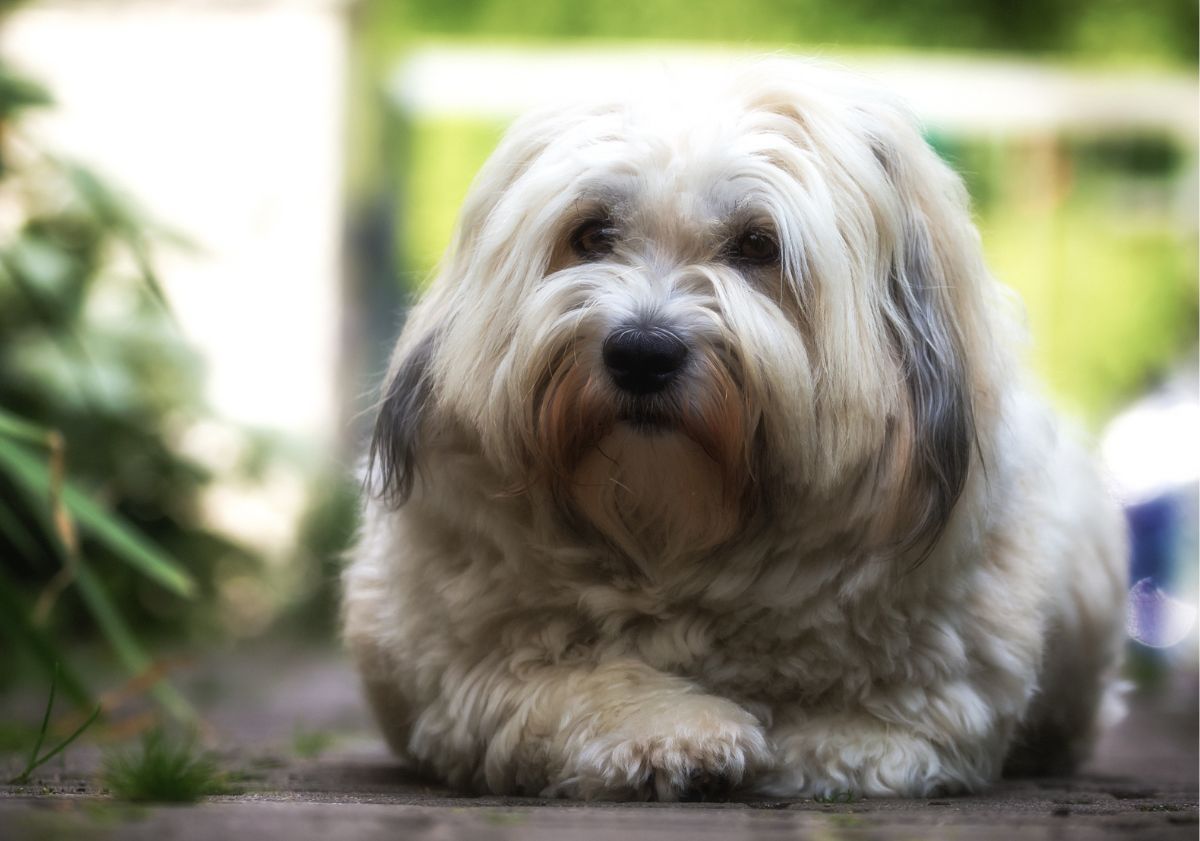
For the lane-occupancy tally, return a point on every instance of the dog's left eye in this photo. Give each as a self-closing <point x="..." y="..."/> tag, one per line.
<point x="756" y="246"/>
<point x="594" y="238"/>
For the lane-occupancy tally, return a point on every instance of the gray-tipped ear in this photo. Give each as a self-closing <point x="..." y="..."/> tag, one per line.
<point x="392" y="464"/>
<point x="940" y="421"/>
<point x="940" y="410"/>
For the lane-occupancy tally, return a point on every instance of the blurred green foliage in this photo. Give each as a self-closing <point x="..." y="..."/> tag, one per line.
<point x="444" y="155"/>
<point x="1093" y="233"/>
<point x="1111" y="298"/>
<point x="97" y="388"/>
<point x="1130" y="32"/>
<point x="1158" y="30"/>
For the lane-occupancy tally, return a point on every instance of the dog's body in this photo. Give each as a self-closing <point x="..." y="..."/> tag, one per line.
<point x="717" y="471"/>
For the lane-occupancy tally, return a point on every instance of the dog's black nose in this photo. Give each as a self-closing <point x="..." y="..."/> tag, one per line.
<point x="643" y="361"/>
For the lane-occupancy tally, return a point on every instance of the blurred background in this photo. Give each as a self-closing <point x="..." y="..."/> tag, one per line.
<point x="213" y="212"/>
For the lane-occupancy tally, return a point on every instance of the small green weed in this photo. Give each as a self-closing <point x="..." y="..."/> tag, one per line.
<point x="163" y="771"/>
<point x="309" y="744"/>
<point x="505" y="818"/>
<point x="836" y="797"/>
<point x="35" y="760"/>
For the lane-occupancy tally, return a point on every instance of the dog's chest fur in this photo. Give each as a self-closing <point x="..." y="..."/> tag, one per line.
<point x="799" y="637"/>
<point x="768" y="659"/>
<point x="761" y="624"/>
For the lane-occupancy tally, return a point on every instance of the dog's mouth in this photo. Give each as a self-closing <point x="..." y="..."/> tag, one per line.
<point x="648" y="417"/>
<point x="577" y="407"/>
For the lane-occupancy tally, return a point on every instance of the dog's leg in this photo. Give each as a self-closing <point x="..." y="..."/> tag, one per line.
<point x="910" y="743"/>
<point x="616" y="730"/>
<point x="942" y="719"/>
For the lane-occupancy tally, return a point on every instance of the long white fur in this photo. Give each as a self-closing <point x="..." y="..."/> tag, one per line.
<point x="651" y="634"/>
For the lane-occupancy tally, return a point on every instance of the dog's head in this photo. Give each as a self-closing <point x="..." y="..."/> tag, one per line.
<point x="680" y="316"/>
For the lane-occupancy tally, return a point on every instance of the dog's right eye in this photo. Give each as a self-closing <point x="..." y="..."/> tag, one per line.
<point x="755" y="247"/>
<point x="594" y="239"/>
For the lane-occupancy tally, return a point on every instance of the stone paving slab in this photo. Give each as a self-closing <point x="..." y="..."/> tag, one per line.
<point x="290" y="820"/>
<point x="1141" y="784"/>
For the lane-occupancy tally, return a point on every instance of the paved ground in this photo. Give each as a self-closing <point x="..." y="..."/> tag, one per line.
<point x="266" y="711"/>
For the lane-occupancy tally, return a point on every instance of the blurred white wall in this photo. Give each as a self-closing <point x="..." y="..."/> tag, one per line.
<point x="225" y="120"/>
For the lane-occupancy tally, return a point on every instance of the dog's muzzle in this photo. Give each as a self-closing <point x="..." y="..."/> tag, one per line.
<point x="643" y="361"/>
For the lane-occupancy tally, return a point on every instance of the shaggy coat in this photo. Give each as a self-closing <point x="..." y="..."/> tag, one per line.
<point x="847" y="549"/>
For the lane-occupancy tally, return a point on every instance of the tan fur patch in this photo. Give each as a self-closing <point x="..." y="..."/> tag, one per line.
<point x="658" y="496"/>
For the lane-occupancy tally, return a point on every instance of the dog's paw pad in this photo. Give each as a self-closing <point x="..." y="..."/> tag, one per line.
<point x="705" y="787"/>
<point x="678" y="757"/>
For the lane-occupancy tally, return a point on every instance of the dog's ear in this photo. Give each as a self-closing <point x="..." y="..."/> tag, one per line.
<point x="399" y="427"/>
<point x="928" y="264"/>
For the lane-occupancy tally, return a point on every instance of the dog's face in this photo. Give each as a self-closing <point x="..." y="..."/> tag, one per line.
<point x="683" y="318"/>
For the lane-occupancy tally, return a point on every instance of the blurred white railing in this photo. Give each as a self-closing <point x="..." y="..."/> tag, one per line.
<point x="961" y="94"/>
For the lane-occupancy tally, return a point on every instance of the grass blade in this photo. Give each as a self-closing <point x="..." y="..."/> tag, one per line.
<point x="66" y="743"/>
<point x="103" y="525"/>
<point x="36" y="761"/>
<point x="37" y="746"/>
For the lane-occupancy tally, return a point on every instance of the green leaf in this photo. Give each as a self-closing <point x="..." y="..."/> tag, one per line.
<point x="18" y="92"/>
<point x="124" y="218"/>
<point x="35" y="481"/>
<point x="127" y="543"/>
<point x="34" y="478"/>
<point x="42" y="266"/>
<point x="105" y="526"/>
<point x="17" y="427"/>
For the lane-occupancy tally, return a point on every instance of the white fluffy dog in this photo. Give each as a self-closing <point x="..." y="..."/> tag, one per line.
<point x="705" y="464"/>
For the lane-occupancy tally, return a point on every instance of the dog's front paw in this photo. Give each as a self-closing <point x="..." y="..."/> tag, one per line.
<point x="699" y="748"/>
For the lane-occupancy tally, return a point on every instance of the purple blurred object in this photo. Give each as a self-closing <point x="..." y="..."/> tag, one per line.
<point x="1155" y="619"/>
